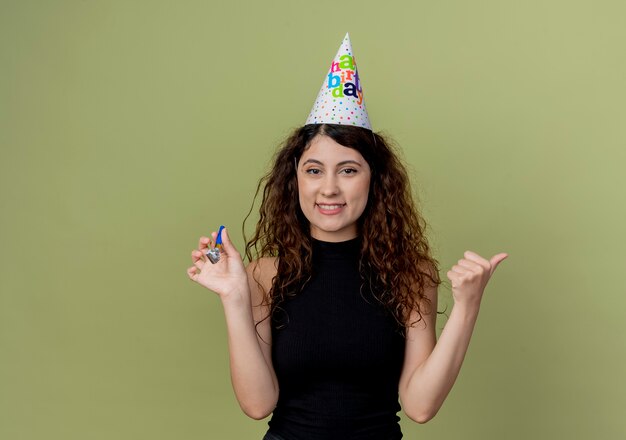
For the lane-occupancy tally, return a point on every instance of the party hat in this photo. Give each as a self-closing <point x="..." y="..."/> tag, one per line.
<point x="340" y="100"/>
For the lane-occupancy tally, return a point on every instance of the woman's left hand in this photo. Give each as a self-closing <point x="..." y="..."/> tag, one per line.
<point x="470" y="277"/>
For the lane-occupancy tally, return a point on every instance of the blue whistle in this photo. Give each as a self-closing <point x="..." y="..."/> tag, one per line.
<point x="213" y="254"/>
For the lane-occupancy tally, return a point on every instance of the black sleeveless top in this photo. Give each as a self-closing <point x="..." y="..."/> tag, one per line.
<point x="338" y="355"/>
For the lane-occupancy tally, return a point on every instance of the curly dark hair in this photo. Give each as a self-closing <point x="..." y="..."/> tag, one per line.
<point x="395" y="265"/>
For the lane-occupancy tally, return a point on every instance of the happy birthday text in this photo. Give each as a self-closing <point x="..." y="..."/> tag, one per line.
<point x="343" y="79"/>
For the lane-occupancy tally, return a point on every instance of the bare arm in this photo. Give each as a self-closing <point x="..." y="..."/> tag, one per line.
<point x="425" y="385"/>
<point x="252" y="374"/>
<point x="431" y="367"/>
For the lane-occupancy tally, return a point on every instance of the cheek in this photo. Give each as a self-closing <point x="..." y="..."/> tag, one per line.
<point x="365" y="187"/>
<point x="363" y="190"/>
<point x="301" y="186"/>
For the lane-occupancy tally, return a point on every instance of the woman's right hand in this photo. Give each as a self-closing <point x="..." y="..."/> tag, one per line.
<point x="227" y="277"/>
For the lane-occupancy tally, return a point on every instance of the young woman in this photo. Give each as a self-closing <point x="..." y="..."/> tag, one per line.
<point x="345" y="273"/>
<point x="333" y="320"/>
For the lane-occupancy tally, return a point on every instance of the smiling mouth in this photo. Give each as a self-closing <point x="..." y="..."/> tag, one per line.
<point x="330" y="207"/>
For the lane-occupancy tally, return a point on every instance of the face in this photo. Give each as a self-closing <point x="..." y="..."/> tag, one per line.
<point x="333" y="186"/>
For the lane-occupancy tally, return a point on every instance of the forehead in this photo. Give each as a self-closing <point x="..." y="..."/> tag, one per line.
<point x="326" y="150"/>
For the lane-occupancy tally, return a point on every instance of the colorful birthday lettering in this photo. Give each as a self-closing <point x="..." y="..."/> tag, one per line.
<point x="346" y="62"/>
<point x="343" y="79"/>
<point x="340" y="100"/>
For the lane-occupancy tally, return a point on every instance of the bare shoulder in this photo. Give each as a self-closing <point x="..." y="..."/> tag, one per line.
<point x="428" y="304"/>
<point x="264" y="264"/>
<point x="426" y="267"/>
<point x="261" y="273"/>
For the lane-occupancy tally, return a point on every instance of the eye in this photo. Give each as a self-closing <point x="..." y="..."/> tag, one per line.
<point x="314" y="171"/>
<point x="349" y="171"/>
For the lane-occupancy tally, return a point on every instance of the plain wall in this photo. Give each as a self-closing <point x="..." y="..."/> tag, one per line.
<point x="130" y="128"/>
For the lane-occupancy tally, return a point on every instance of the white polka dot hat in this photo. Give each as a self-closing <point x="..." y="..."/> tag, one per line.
<point x="340" y="100"/>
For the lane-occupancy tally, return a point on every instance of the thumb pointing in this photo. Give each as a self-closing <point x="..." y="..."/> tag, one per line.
<point x="496" y="260"/>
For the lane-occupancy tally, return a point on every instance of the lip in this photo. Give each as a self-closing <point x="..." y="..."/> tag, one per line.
<point x="330" y="208"/>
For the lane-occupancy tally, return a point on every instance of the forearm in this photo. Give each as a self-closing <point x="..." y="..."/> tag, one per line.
<point x="431" y="382"/>
<point x="254" y="383"/>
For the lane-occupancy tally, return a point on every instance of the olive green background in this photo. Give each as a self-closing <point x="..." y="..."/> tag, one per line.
<point x="130" y="128"/>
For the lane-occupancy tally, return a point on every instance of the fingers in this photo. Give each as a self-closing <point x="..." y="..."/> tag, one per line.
<point x="228" y="245"/>
<point x="474" y="263"/>
<point x="198" y="258"/>
<point x="490" y="264"/>
<point x="458" y="270"/>
<point x="469" y="264"/>
<point x="473" y="256"/>
<point x="191" y="273"/>
<point x="497" y="259"/>
<point x="471" y="274"/>
<point x="453" y="277"/>
<point x="204" y="243"/>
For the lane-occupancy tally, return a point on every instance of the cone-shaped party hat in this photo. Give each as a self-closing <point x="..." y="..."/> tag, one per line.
<point x="340" y="100"/>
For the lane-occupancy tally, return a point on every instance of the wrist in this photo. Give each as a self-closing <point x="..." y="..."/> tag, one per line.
<point x="468" y="311"/>
<point x="236" y="298"/>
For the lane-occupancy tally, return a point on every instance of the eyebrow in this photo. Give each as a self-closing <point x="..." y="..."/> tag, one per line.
<point x="343" y="162"/>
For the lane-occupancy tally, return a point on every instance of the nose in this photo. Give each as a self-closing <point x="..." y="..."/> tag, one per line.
<point x="329" y="186"/>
